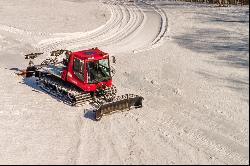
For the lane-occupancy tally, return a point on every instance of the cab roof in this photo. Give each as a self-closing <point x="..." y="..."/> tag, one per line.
<point x="90" y="54"/>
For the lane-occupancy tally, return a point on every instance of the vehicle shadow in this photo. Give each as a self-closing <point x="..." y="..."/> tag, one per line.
<point x="89" y="114"/>
<point x="32" y="83"/>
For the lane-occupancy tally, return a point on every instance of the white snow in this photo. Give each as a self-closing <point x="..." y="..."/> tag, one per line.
<point x="189" y="61"/>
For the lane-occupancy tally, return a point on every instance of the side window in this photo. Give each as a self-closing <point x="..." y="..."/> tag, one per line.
<point x="67" y="57"/>
<point x="66" y="60"/>
<point x="78" y="69"/>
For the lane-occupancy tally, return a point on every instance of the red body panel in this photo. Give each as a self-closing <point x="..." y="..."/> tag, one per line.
<point x="91" y="54"/>
<point x="85" y="56"/>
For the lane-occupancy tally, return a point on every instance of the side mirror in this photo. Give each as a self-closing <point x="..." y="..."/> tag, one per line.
<point x="113" y="59"/>
<point x="112" y="70"/>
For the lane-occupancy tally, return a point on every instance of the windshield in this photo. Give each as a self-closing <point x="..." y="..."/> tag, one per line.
<point x="98" y="71"/>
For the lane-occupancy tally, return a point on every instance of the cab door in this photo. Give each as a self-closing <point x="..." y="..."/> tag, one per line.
<point x="77" y="75"/>
<point x="78" y="69"/>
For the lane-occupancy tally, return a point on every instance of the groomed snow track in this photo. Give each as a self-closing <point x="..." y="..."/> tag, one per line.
<point x="123" y="31"/>
<point x="126" y="23"/>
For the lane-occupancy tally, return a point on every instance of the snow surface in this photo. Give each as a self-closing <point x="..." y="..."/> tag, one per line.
<point x="189" y="61"/>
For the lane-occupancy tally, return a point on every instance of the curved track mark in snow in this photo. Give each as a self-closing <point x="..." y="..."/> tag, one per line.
<point x="159" y="39"/>
<point x="126" y="20"/>
<point x="15" y="30"/>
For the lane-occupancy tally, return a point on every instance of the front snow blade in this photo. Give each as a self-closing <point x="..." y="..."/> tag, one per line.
<point x="121" y="103"/>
